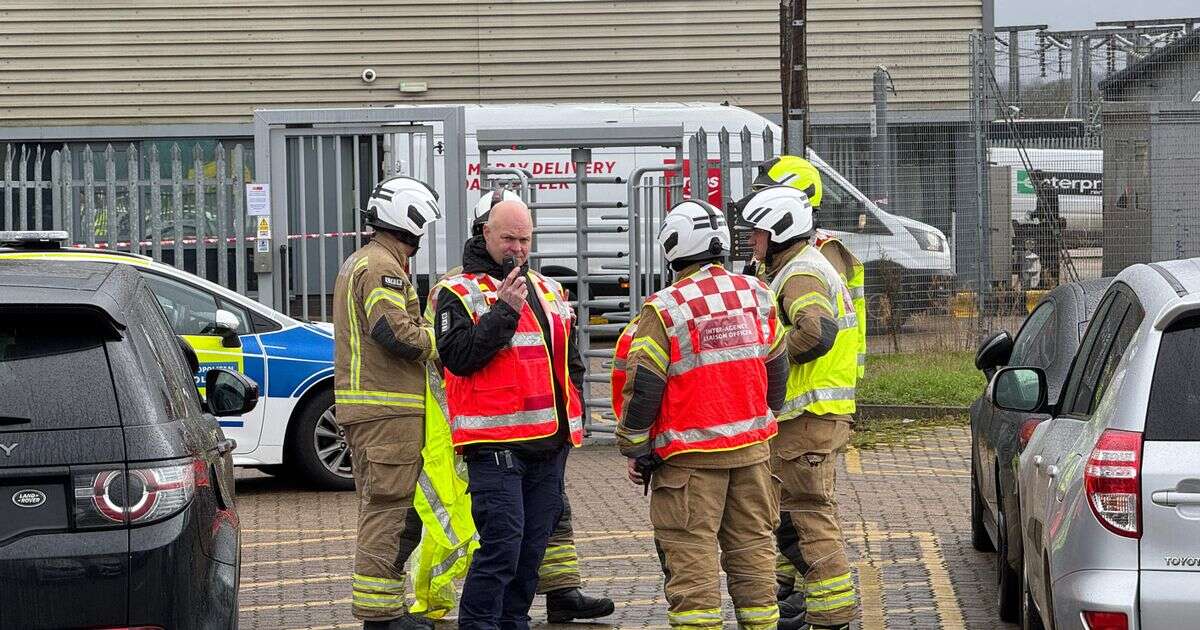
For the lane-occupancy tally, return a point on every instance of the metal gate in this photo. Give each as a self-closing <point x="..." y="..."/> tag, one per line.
<point x="592" y="246"/>
<point x="322" y="166"/>
<point x="182" y="204"/>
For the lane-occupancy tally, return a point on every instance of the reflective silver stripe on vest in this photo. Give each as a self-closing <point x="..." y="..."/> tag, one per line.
<point x="437" y="388"/>
<point x="439" y="510"/>
<point x="856" y="293"/>
<point x="447" y="564"/>
<point x="847" y="322"/>
<point x="827" y="394"/>
<point x="518" y="419"/>
<point x="714" y="357"/>
<point x="528" y="339"/>
<point x="575" y="424"/>
<point x="730" y="430"/>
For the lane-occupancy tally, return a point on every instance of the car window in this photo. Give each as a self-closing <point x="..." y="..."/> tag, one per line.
<point x="1083" y="352"/>
<point x="1173" y="413"/>
<point x="242" y="316"/>
<point x="163" y="362"/>
<point x="1129" y="327"/>
<point x="839" y="209"/>
<point x="1093" y="369"/>
<point x="64" y="354"/>
<point x="189" y="310"/>
<point x="1029" y="347"/>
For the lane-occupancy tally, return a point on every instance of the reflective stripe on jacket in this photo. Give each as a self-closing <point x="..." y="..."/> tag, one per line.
<point x="513" y="397"/>
<point x="721" y="328"/>
<point x="855" y="278"/>
<point x="827" y="384"/>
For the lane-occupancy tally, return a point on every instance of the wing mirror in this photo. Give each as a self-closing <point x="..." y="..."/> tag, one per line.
<point x="225" y="327"/>
<point x="229" y="393"/>
<point x="994" y="352"/>
<point x="1021" y="389"/>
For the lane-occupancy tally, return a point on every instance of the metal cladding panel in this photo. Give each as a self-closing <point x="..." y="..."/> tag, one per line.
<point x="154" y="61"/>
<point x="923" y="44"/>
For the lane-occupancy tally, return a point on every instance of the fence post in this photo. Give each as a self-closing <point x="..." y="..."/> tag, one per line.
<point x="135" y="208"/>
<point x="882" y="167"/>
<point x="87" y="209"/>
<point x="177" y="202"/>
<point x="155" y="203"/>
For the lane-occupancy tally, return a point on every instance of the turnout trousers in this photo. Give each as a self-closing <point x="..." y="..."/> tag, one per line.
<point x="515" y="502"/>
<point x="560" y="566"/>
<point x="804" y="457"/>
<point x="695" y="510"/>
<point x="387" y="460"/>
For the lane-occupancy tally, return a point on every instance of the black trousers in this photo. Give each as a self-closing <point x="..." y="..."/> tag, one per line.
<point x="516" y="502"/>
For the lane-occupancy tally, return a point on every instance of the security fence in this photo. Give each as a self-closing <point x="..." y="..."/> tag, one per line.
<point x="1010" y="164"/>
<point x="183" y="205"/>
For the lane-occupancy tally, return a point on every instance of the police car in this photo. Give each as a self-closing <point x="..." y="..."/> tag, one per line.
<point x="292" y="430"/>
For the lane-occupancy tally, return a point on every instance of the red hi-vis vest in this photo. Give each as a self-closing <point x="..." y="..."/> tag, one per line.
<point x="721" y="327"/>
<point x="511" y="399"/>
<point x="620" y="366"/>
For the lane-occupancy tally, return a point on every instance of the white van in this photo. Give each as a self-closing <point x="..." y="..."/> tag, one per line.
<point x="1076" y="175"/>
<point x="878" y="238"/>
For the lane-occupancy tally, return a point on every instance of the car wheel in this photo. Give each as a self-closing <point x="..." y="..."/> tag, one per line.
<point x="317" y="446"/>
<point x="1008" y="584"/>
<point x="1030" y="619"/>
<point x="979" y="536"/>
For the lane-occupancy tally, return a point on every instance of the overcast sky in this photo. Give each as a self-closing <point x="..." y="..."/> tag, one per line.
<point x="1078" y="14"/>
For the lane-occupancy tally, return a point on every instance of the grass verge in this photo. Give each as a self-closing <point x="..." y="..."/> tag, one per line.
<point x="936" y="378"/>
<point x="892" y="432"/>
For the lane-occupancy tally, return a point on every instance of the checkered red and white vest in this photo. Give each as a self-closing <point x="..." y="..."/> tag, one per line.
<point x="721" y="326"/>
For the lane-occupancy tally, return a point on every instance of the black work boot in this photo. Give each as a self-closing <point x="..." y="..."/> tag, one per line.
<point x="792" y="605"/>
<point x="568" y="604"/>
<point x="798" y="623"/>
<point x="407" y="621"/>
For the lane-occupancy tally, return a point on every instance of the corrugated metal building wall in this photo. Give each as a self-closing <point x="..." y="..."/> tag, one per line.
<point x="923" y="43"/>
<point x="189" y="61"/>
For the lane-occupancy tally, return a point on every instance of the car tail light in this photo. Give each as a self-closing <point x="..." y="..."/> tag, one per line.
<point x="1113" y="482"/>
<point x="1095" y="620"/>
<point x="136" y="496"/>
<point x="1026" y="431"/>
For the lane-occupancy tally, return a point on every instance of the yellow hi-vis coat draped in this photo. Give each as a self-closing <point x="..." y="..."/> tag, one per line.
<point x="448" y="537"/>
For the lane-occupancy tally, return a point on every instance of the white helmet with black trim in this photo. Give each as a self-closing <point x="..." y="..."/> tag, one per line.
<point x="402" y="204"/>
<point x="489" y="201"/>
<point x="694" y="230"/>
<point x="782" y="211"/>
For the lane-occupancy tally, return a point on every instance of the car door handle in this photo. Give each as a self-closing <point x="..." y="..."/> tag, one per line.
<point x="1052" y="471"/>
<point x="1037" y="461"/>
<point x="225" y="446"/>
<point x="1171" y="498"/>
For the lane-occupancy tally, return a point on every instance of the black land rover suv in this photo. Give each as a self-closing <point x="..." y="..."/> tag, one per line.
<point x="116" y="483"/>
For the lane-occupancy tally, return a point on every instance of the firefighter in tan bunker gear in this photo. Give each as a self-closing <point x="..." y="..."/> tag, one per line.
<point x="381" y="346"/>
<point x="822" y="344"/>
<point x="705" y="370"/>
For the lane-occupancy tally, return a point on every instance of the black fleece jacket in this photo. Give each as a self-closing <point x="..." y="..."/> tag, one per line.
<point x="466" y="347"/>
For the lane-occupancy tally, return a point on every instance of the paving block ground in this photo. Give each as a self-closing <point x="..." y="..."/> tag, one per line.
<point x="904" y="506"/>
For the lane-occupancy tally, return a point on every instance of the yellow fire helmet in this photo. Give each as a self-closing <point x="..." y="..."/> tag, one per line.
<point x="790" y="170"/>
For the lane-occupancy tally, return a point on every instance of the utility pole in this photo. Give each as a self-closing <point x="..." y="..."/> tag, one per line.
<point x="793" y="70"/>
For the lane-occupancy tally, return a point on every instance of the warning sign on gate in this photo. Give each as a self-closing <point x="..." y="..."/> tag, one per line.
<point x="258" y="200"/>
<point x="264" y="227"/>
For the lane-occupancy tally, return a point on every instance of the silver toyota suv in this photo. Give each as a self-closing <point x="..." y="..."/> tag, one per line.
<point x="1110" y="485"/>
